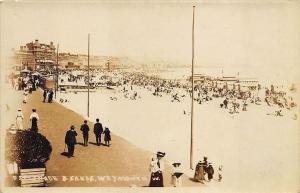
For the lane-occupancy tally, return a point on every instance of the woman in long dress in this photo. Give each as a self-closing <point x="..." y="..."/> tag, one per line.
<point x="34" y="117"/>
<point x="156" y="169"/>
<point x="199" y="172"/>
<point x="19" y="119"/>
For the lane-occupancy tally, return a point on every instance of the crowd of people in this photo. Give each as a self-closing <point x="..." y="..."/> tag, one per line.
<point x="204" y="172"/>
<point x="131" y="84"/>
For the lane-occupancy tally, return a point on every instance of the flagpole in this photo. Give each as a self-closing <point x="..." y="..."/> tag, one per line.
<point x="88" y="101"/>
<point x="56" y="81"/>
<point x="192" y="103"/>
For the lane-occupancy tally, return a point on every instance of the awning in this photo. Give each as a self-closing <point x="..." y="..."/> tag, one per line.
<point x="45" y="61"/>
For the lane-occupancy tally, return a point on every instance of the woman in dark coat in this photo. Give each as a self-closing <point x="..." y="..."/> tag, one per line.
<point x="210" y="172"/>
<point x="107" y="137"/>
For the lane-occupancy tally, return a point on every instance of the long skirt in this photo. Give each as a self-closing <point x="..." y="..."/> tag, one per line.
<point x="156" y="179"/>
<point x="19" y="122"/>
<point x="199" y="174"/>
<point x="34" y="126"/>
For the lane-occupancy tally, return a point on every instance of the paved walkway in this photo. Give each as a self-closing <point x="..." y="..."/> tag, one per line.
<point x="122" y="164"/>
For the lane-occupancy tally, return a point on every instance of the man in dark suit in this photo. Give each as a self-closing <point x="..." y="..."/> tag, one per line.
<point x="98" y="129"/>
<point x="50" y="96"/>
<point x="85" y="132"/>
<point x="70" y="140"/>
<point x="45" y="95"/>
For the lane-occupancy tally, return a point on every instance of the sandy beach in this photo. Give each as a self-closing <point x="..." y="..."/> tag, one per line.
<point x="256" y="148"/>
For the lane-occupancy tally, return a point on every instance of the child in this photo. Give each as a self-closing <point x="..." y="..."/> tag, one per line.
<point x="107" y="137"/>
<point x="176" y="175"/>
<point x="220" y="173"/>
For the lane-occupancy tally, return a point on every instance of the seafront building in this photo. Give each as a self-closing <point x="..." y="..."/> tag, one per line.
<point x="42" y="56"/>
<point x="34" y="56"/>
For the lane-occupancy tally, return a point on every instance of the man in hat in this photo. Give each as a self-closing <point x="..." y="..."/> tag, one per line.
<point x="45" y="95"/>
<point x="156" y="169"/>
<point x="98" y="129"/>
<point x="70" y="140"/>
<point x="50" y="96"/>
<point x="85" y="132"/>
<point x="19" y="119"/>
<point x="176" y="174"/>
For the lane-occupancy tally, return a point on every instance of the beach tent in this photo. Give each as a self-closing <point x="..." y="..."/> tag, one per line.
<point x="25" y="71"/>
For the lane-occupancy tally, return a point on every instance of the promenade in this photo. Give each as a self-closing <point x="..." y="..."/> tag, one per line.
<point x="121" y="165"/>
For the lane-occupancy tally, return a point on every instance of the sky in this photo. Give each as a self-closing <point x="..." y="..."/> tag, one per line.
<point x="236" y="34"/>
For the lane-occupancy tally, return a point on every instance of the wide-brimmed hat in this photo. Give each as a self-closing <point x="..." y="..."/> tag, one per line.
<point x="160" y="154"/>
<point x="176" y="164"/>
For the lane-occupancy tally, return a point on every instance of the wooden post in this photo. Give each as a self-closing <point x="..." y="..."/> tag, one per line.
<point x="192" y="103"/>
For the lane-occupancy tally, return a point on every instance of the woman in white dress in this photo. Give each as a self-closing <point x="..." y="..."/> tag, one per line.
<point x="19" y="119"/>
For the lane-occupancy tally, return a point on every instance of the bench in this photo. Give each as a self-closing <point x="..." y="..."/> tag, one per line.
<point x="34" y="177"/>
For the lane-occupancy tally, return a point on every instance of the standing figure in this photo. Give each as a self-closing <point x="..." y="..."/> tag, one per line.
<point x="199" y="172"/>
<point x="25" y="96"/>
<point x="19" y="119"/>
<point x="210" y="172"/>
<point x="220" y="170"/>
<point x="156" y="169"/>
<point x="34" y="117"/>
<point x="70" y="141"/>
<point x="50" y="96"/>
<point x="176" y="175"/>
<point x="205" y="165"/>
<point x="107" y="137"/>
<point x="225" y="102"/>
<point x="85" y="132"/>
<point x="45" y="95"/>
<point x="98" y="129"/>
